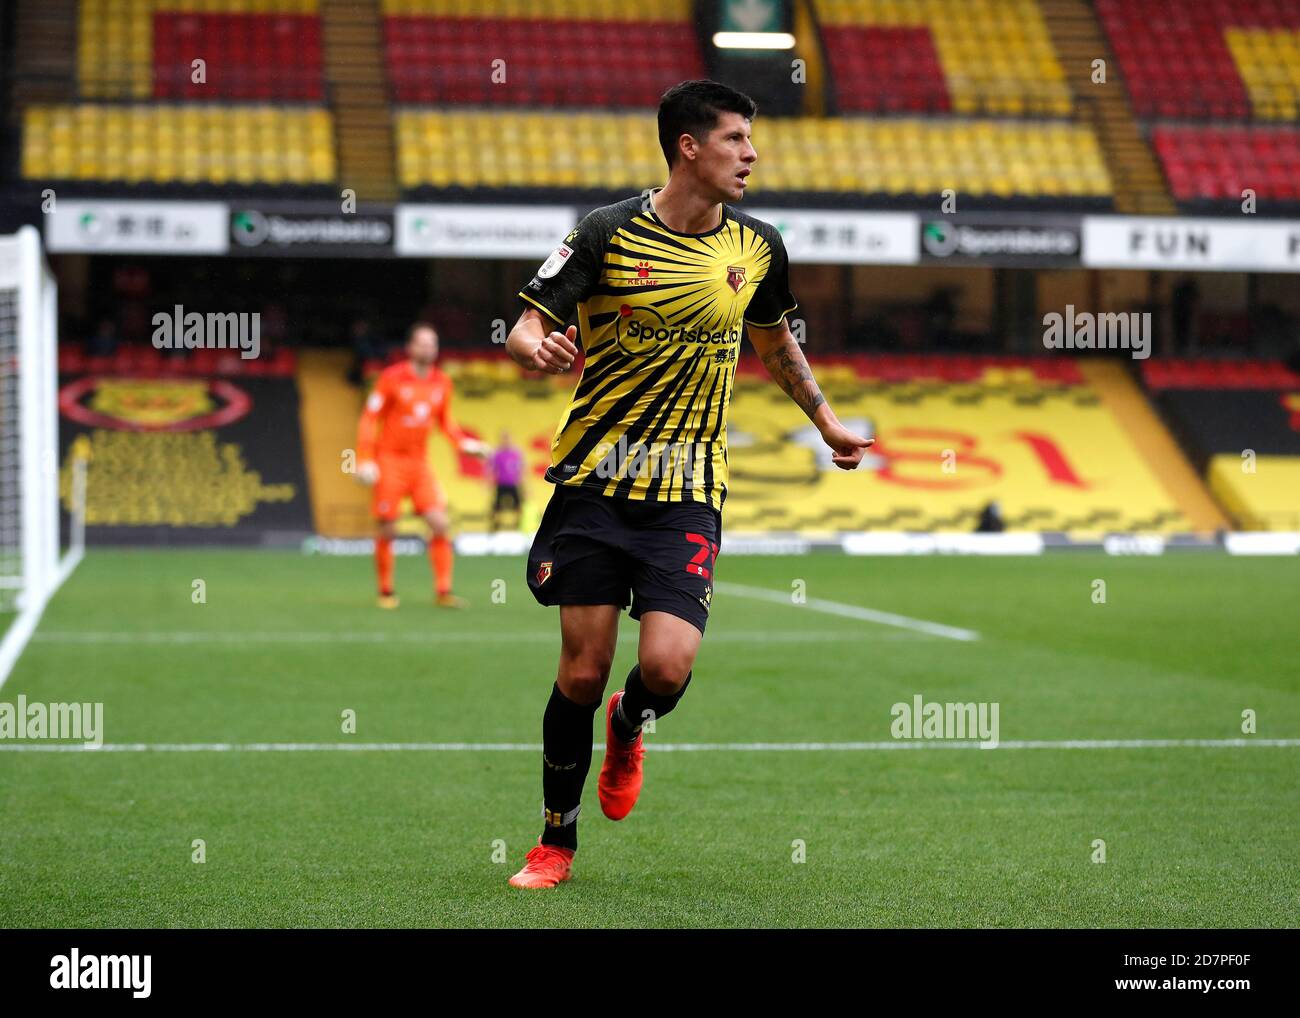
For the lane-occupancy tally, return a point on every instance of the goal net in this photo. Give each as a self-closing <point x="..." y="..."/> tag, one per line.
<point x="31" y="567"/>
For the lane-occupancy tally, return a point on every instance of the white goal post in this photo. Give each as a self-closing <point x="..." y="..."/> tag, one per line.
<point x="31" y="569"/>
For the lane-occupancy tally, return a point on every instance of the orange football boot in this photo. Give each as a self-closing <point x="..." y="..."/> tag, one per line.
<point x="619" y="783"/>
<point x="544" y="866"/>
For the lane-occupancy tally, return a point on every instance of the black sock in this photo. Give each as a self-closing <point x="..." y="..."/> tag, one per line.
<point x="566" y="758"/>
<point x="629" y="717"/>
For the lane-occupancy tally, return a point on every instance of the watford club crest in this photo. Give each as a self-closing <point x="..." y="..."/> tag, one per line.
<point x="142" y="404"/>
<point x="736" y="277"/>
<point x="543" y="573"/>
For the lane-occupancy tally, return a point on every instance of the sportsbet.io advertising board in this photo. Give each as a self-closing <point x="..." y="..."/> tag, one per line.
<point x="1031" y="243"/>
<point x="811" y="235"/>
<point x="263" y="232"/>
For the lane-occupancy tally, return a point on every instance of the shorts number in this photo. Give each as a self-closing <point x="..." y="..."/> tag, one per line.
<point x="708" y="550"/>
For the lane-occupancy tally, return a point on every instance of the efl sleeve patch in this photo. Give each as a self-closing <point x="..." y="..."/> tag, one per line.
<point x="557" y="260"/>
<point x="571" y="272"/>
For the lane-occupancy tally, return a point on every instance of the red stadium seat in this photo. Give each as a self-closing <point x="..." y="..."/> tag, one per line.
<point x="1176" y="59"/>
<point x="1219" y="163"/>
<point x="248" y="56"/>
<point x="598" y="69"/>
<point x="886" y="70"/>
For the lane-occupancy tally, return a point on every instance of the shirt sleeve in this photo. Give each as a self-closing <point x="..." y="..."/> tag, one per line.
<point x="772" y="299"/>
<point x="368" y="428"/>
<point x="445" y="420"/>
<point x="571" y="272"/>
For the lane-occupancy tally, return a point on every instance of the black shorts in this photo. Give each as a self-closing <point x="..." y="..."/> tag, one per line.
<point x="597" y="549"/>
<point x="507" y="497"/>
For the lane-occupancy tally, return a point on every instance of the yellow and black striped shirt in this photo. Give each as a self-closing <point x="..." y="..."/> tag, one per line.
<point x="660" y="317"/>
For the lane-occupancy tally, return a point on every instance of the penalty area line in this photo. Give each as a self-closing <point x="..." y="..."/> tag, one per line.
<point x="663" y="747"/>
<point x="849" y="611"/>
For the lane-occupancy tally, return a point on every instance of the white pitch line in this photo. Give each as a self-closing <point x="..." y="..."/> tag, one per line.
<point x="849" y="611"/>
<point x="664" y="747"/>
<point x="128" y="639"/>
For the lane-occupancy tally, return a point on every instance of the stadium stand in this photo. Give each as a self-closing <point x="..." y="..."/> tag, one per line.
<point x="1052" y="442"/>
<point x="975" y="88"/>
<point x="885" y="158"/>
<point x="1239" y="423"/>
<point x="185" y="144"/>
<point x="925" y="61"/>
<point x="198" y="448"/>
<point x="145" y="360"/>
<point x="922" y="156"/>
<point x="250" y="56"/>
<point x="1218" y="60"/>
<point x="442" y="52"/>
<point x="915" y="83"/>
<point x="445" y="149"/>
<point x="253" y="49"/>
<point x="964" y="56"/>
<point x="148" y="113"/>
<point x="1218" y="163"/>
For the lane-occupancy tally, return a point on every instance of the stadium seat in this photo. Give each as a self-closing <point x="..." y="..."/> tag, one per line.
<point x="889" y="157"/>
<point x="185" y="144"/>
<point x="253" y="49"/>
<point x="451" y="52"/>
<point x="968" y="56"/>
<point x="1182" y="373"/>
<point x="248" y="56"/>
<point x="1213" y="59"/>
<point x="1219" y="163"/>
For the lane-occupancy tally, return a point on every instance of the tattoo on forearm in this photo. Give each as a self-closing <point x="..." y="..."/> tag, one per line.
<point x="787" y="366"/>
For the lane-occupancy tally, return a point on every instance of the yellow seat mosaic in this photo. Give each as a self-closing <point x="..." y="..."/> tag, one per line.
<point x="997" y="55"/>
<point x="115" y="39"/>
<point x="562" y="149"/>
<point x="621" y="150"/>
<point x="188" y="144"/>
<point x="1266" y="499"/>
<point x="1054" y="455"/>
<point x="1269" y="62"/>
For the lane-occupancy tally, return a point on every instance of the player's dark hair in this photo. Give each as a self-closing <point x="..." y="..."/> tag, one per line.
<point x="692" y="107"/>
<point x="417" y="326"/>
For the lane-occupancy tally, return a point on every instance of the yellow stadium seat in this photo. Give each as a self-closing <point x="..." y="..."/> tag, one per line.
<point x="899" y="156"/>
<point x="189" y="144"/>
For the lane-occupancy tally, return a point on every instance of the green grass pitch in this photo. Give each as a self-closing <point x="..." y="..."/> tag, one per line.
<point x="930" y="837"/>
